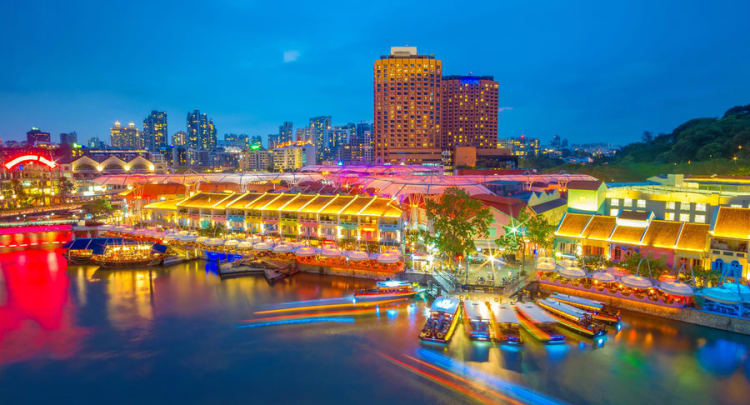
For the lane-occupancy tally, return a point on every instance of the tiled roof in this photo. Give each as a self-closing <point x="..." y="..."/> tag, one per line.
<point x="600" y="227"/>
<point x="204" y="200"/>
<point x="549" y="205"/>
<point x="627" y="234"/>
<point x="634" y="215"/>
<point x="662" y="234"/>
<point x="592" y="185"/>
<point x="732" y="223"/>
<point x="693" y="237"/>
<point x="573" y="224"/>
<point x="508" y="205"/>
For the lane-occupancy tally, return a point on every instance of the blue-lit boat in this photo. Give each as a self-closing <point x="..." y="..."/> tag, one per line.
<point x="477" y="320"/>
<point x="573" y="318"/>
<point x="599" y="311"/>
<point x="442" y="322"/>
<point x="114" y="252"/>
<point x="505" y="323"/>
<point x="390" y="289"/>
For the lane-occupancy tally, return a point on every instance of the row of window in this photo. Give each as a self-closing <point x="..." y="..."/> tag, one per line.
<point x="670" y="205"/>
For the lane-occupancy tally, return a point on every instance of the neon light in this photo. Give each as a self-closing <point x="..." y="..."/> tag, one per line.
<point x="30" y="158"/>
<point x="297" y="321"/>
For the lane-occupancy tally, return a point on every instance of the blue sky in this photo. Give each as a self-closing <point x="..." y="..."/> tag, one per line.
<point x="588" y="71"/>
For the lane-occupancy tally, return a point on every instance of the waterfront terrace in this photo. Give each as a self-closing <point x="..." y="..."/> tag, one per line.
<point x="340" y="218"/>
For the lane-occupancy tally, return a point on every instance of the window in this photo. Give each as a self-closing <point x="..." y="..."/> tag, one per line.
<point x="628" y="202"/>
<point x="614" y="211"/>
<point x="736" y="205"/>
<point x="700" y="218"/>
<point x="670" y="205"/>
<point x="670" y="216"/>
<point x="685" y="217"/>
<point x="615" y="202"/>
<point x="641" y="203"/>
<point x="700" y="207"/>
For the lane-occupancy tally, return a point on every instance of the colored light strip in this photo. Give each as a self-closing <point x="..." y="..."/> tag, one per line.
<point x="30" y="158"/>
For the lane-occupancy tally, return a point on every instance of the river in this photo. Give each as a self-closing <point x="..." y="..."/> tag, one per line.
<point x="82" y="335"/>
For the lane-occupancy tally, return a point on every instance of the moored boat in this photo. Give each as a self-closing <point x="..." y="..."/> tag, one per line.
<point x="573" y="318"/>
<point x="114" y="252"/>
<point x="477" y="320"/>
<point x="442" y="321"/>
<point x="599" y="311"/>
<point x="538" y="323"/>
<point x="505" y="323"/>
<point x="389" y="289"/>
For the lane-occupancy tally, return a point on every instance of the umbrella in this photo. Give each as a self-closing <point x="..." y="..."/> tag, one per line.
<point x="603" y="276"/>
<point x="231" y="243"/>
<point x="388" y="258"/>
<point x="201" y="239"/>
<point x="572" y="272"/>
<point x="214" y="242"/>
<point x="676" y="288"/>
<point x="636" y="282"/>
<point x="263" y="246"/>
<point x="546" y="264"/>
<point x="245" y="245"/>
<point x="186" y="238"/>
<point x="357" y="255"/>
<point x="306" y="251"/>
<point x="330" y="252"/>
<point x="283" y="248"/>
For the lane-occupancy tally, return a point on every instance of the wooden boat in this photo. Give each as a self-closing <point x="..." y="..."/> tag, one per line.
<point x="477" y="320"/>
<point x="389" y="289"/>
<point x="114" y="252"/>
<point x="538" y="323"/>
<point x="599" y="311"/>
<point x="505" y="323"/>
<point x="573" y="318"/>
<point x="442" y="321"/>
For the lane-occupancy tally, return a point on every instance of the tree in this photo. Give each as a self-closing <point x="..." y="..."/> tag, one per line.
<point x="457" y="219"/>
<point x="97" y="208"/>
<point x="64" y="187"/>
<point x="539" y="231"/>
<point x="514" y="236"/>
<point x="19" y="192"/>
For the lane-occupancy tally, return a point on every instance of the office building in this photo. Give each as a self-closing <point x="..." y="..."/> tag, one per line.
<point x="155" y="134"/>
<point x="407" y="107"/>
<point x="286" y="132"/>
<point x="35" y="136"/>
<point x="254" y="160"/>
<point x="320" y="128"/>
<point x="201" y="132"/>
<point x="125" y="137"/>
<point x="179" y="138"/>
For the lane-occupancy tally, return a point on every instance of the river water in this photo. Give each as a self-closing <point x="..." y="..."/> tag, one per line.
<point x="82" y="335"/>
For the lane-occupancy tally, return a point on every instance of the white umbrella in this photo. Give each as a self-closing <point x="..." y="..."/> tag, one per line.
<point x="357" y="255"/>
<point x="330" y="252"/>
<point x="231" y="243"/>
<point x="546" y="264"/>
<point x="572" y="272"/>
<point x="263" y="246"/>
<point x="388" y="258"/>
<point x="186" y="238"/>
<point x="306" y="251"/>
<point x="183" y="233"/>
<point x="676" y="288"/>
<point x="170" y="236"/>
<point x="603" y="276"/>
<point x="215" y="242"/>
<point x="283" y="248"/>
<point x="201" y="239"/>
<point x="245" y="245"/>
<point x="106" y="226"/>
<point x="636" y="282"/>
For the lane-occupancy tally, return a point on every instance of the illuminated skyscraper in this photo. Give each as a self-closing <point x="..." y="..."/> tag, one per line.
<point x="286" y="132"/>
<point x="155" y="135"/>
<point x="320" y="130"/>
<point x="201" y="132"/>
<point x="469" y="112"/>
<point x="126" y="137"/>
<point x="179" y="138"/>
<point x="407" y="107"/>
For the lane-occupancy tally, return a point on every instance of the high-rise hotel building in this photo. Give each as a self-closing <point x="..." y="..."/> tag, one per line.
<point x="469" y="108"/>
<point x="155" y="134"/>
<point x="407" y="107"/>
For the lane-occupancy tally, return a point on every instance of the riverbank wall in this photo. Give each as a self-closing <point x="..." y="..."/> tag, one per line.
<point x="688" y="315"/>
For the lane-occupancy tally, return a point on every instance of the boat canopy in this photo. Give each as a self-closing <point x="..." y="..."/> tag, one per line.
<point x="98" y="245"/>
<point x="159" y="248"/>
<point x="534" y="313"/>
<point x="676" y="288"/>
<point x="392" y="283"/>
<point x="636" y="282"/>
<point x="504" y="313"/>
<point x="563" y="307"/>
<point x="579" y="300"/>
<point x="603" y="276"/>
<point x="445" y="304"/>
<point x="477" y="311"/>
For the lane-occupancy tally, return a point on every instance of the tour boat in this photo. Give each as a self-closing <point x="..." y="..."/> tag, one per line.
<point x="505" y="323"/>
<point x="388" y="290"/>
<point x="442" y="322"/>
<point x="477" y="320"/>
<point x="573" y="318"/>
<point x="599" y="311"/>
<point x="114" y="252"/>
<point x="538" y="323"/>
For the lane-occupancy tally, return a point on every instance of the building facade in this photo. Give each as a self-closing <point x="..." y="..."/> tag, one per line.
<point x="407" y="107"/>
<point x="68" y="138"/>
<point x="36" y="136"/>
<point x="470" y="107"/>
<point x="320" y="133"/>
<point x="128" y="137"/>
<point x="201" y="132"/>
<point x="155" y="134"/>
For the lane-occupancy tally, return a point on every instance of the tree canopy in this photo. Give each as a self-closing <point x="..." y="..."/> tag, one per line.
<point x="97" y="208"/>
<point x="457" y="219"/>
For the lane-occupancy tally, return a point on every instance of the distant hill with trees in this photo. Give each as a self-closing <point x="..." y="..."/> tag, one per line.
<point x="699" y="146"/>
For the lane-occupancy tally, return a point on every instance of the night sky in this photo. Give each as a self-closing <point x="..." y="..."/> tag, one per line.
<point x="589" y="72"/>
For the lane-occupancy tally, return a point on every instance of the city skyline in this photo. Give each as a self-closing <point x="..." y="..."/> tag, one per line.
<point x="576" y="71"/>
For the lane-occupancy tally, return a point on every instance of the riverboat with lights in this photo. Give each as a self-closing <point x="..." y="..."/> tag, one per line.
<point x="390" y="289"/>
<point x="441" y="324"/>
<point x="114" y="252"/>
<point x="598" y="310"/>
<point x="538" y="323"/>
<point x="573" y="318"/>
<point x="505" y="324"/>
<point x="477" y="320"/>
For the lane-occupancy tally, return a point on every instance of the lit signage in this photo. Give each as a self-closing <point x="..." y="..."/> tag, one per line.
<point x="30" y="158"/>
